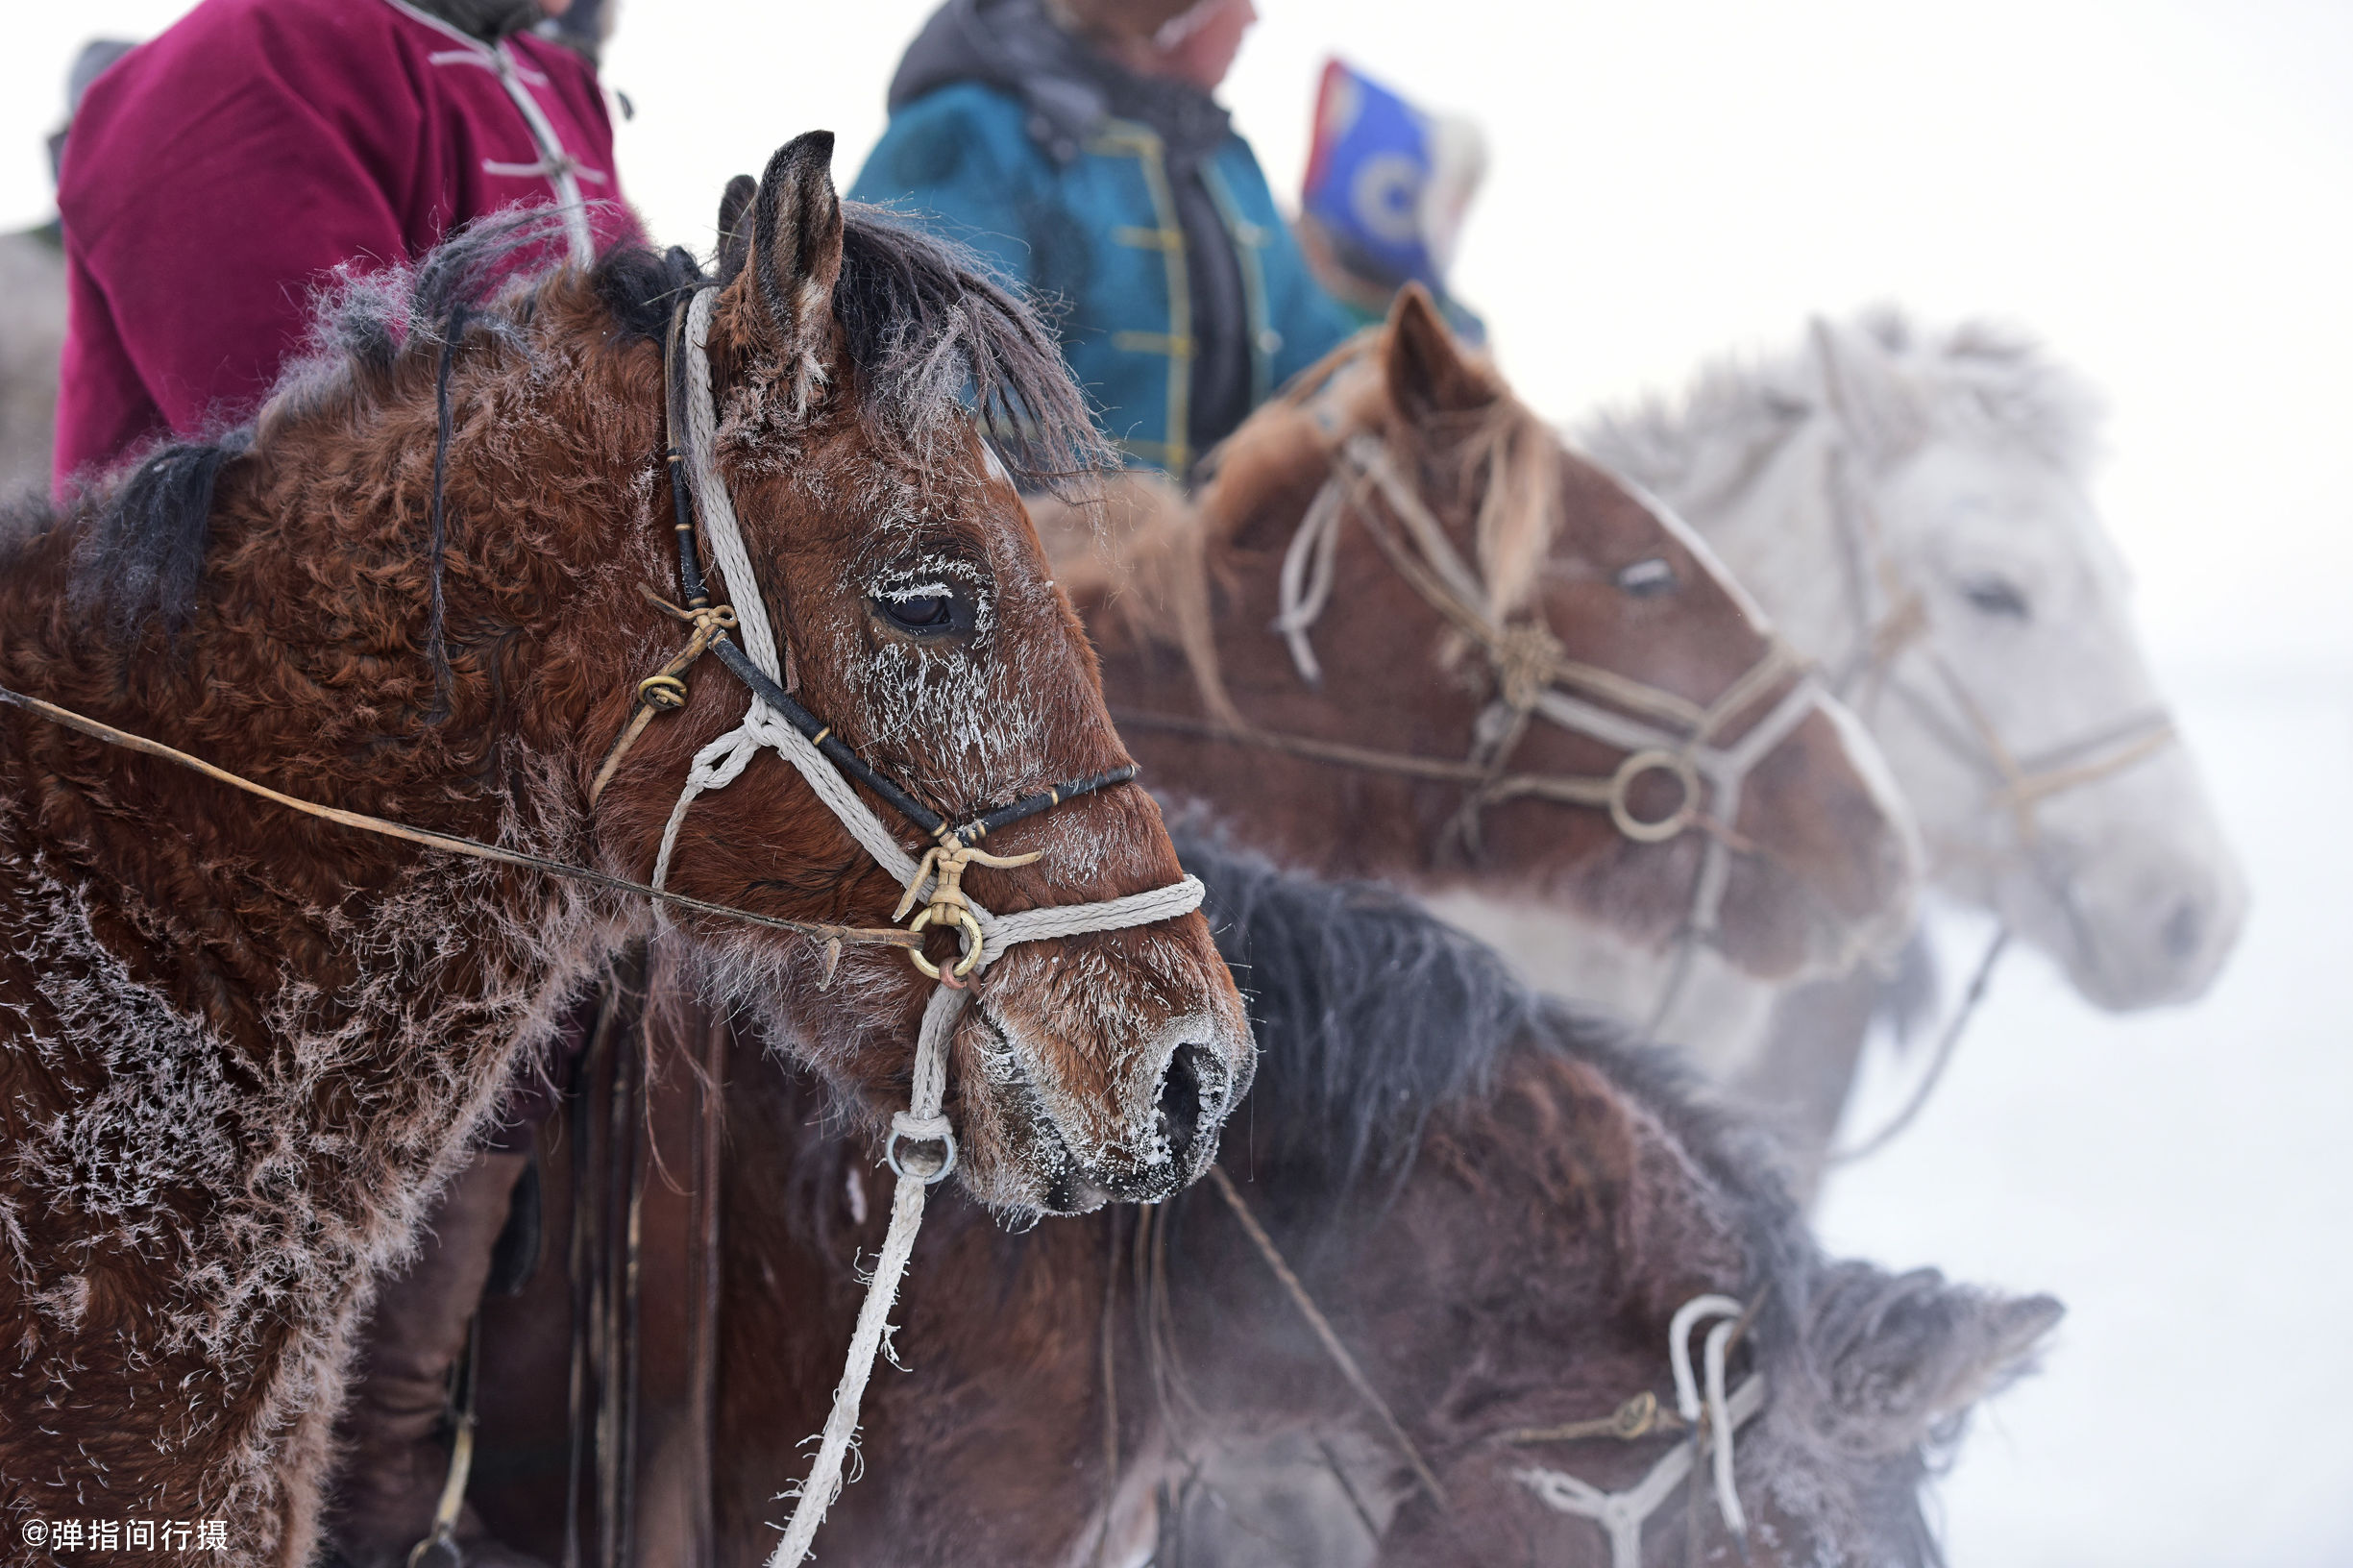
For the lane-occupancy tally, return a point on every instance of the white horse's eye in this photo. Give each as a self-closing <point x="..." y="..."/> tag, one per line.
<point x="1646" y="579"/>
<point x="1996" y="596"/>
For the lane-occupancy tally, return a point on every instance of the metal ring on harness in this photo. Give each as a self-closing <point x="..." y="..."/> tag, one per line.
<point x="1654" y="760"/>
<point x="889" y="1155"/>
<point x="665" y="692"/>
<point x="963" y="917"/>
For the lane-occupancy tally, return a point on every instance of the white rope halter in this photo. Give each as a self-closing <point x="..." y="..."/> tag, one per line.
<point x="1958" y="722"/>
<point x="719" y="764"/>
<point x="1658" y="730"/>
<point x="1713" y="1420"/>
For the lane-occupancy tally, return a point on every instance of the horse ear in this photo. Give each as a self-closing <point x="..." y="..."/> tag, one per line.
<point x="1869" y="394"/>
<point x="1427" y="371"/>
<point x="795" y="258"/>
<point x="1905" y="1354"/>
<point x="734" y="233"/>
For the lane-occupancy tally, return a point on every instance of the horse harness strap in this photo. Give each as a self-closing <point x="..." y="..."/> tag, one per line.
<point x="1712" y="1416"/>
<point x="741" y="637"/>
<point x="832" y="937"/>
<point x="1659" y="731"/>
<point x="2019" y="783"/>
<point x="1327" y="1336"/>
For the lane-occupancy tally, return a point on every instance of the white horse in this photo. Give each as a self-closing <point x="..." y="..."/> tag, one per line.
<point x="1910" y="510"/>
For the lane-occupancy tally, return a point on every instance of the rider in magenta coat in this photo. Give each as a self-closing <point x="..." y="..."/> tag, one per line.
<point x="217" y="175"/>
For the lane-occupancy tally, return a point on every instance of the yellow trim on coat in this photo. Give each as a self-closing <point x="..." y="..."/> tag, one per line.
<point x="1129" y="139"/>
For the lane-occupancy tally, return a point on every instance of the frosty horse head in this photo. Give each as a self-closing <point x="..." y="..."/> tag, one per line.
<point x="910" y="597"/>
<point x="1419" y="640"/>
<point x="240" y="1046"/>
<point x="1501" y="1214"/>
<point x="1912" y="509"/>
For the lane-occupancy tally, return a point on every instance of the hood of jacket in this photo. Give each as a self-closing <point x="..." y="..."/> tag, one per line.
<point x="1069" y="87"/>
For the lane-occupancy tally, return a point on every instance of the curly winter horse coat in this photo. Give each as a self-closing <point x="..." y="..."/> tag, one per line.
<point x="240" y="1048"/>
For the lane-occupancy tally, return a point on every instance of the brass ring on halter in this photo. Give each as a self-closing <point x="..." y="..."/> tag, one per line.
<point x="1635" y="1417"/>
<point x="1651" y="760"/>
<point x="667" y="691"/>
<point x="962" y="916"/>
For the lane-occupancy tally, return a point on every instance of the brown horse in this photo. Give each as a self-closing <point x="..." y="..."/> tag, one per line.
<point x="1498" y="1207"/>
<point x="1405" y="627"/>
<point x="244" y="1045"/>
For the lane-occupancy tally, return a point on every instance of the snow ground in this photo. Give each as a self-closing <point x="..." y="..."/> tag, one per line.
<point x="2183" y="1180"/>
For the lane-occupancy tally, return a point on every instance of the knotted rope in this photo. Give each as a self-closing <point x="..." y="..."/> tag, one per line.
<point x="1712" y="1416"/>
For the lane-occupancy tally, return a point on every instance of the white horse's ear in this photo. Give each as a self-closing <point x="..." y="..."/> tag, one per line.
<point x="1869" y="394"/>
<point x="794" y="259"/>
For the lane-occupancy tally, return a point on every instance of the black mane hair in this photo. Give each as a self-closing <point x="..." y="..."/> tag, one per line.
<point x="930" y="331"/>
<point x="1372" y="1014"/>
<point x="1369" y="1012"/>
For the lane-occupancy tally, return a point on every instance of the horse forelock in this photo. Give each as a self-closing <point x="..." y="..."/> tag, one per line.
<point x="939" y="338"/>
<point x="1511" y="460"/>
<point x="1501" y="452"/>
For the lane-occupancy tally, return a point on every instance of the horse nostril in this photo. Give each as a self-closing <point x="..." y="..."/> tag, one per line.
<point x="2184" y="930"/>
<point x="1181" y="1099"/>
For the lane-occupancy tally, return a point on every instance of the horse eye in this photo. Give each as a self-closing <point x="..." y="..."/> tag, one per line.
<point x="926" y="610"/>
<point x="1647" y="579"/>
<point x="1996" y="596"/>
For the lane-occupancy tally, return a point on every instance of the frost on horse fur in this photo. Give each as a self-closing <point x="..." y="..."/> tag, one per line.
<point x="240" y="1048"/>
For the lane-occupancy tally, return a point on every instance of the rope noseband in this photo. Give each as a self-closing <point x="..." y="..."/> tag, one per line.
<point x="2018" y="784"/>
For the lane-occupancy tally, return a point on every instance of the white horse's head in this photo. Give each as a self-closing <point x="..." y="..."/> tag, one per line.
<point x="1911" y="509"/>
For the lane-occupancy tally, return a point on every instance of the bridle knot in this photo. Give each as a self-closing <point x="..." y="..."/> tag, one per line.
<point x="1526" y="659"/>
<point x="945" y="905"/>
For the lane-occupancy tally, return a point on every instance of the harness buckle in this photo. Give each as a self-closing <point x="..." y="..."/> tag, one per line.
<point x="665" y="692"/>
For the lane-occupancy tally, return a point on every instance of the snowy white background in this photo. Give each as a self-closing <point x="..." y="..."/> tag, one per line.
<point x="2163" y="190"/>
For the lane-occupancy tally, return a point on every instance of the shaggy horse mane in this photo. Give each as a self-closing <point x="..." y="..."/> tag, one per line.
<point x="1372" y="1014"/>
<point x="1977" y="377"/>
<point x="931" y="333"/>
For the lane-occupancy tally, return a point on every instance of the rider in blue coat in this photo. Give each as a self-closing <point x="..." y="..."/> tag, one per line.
<point x="1076" y="144"/>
